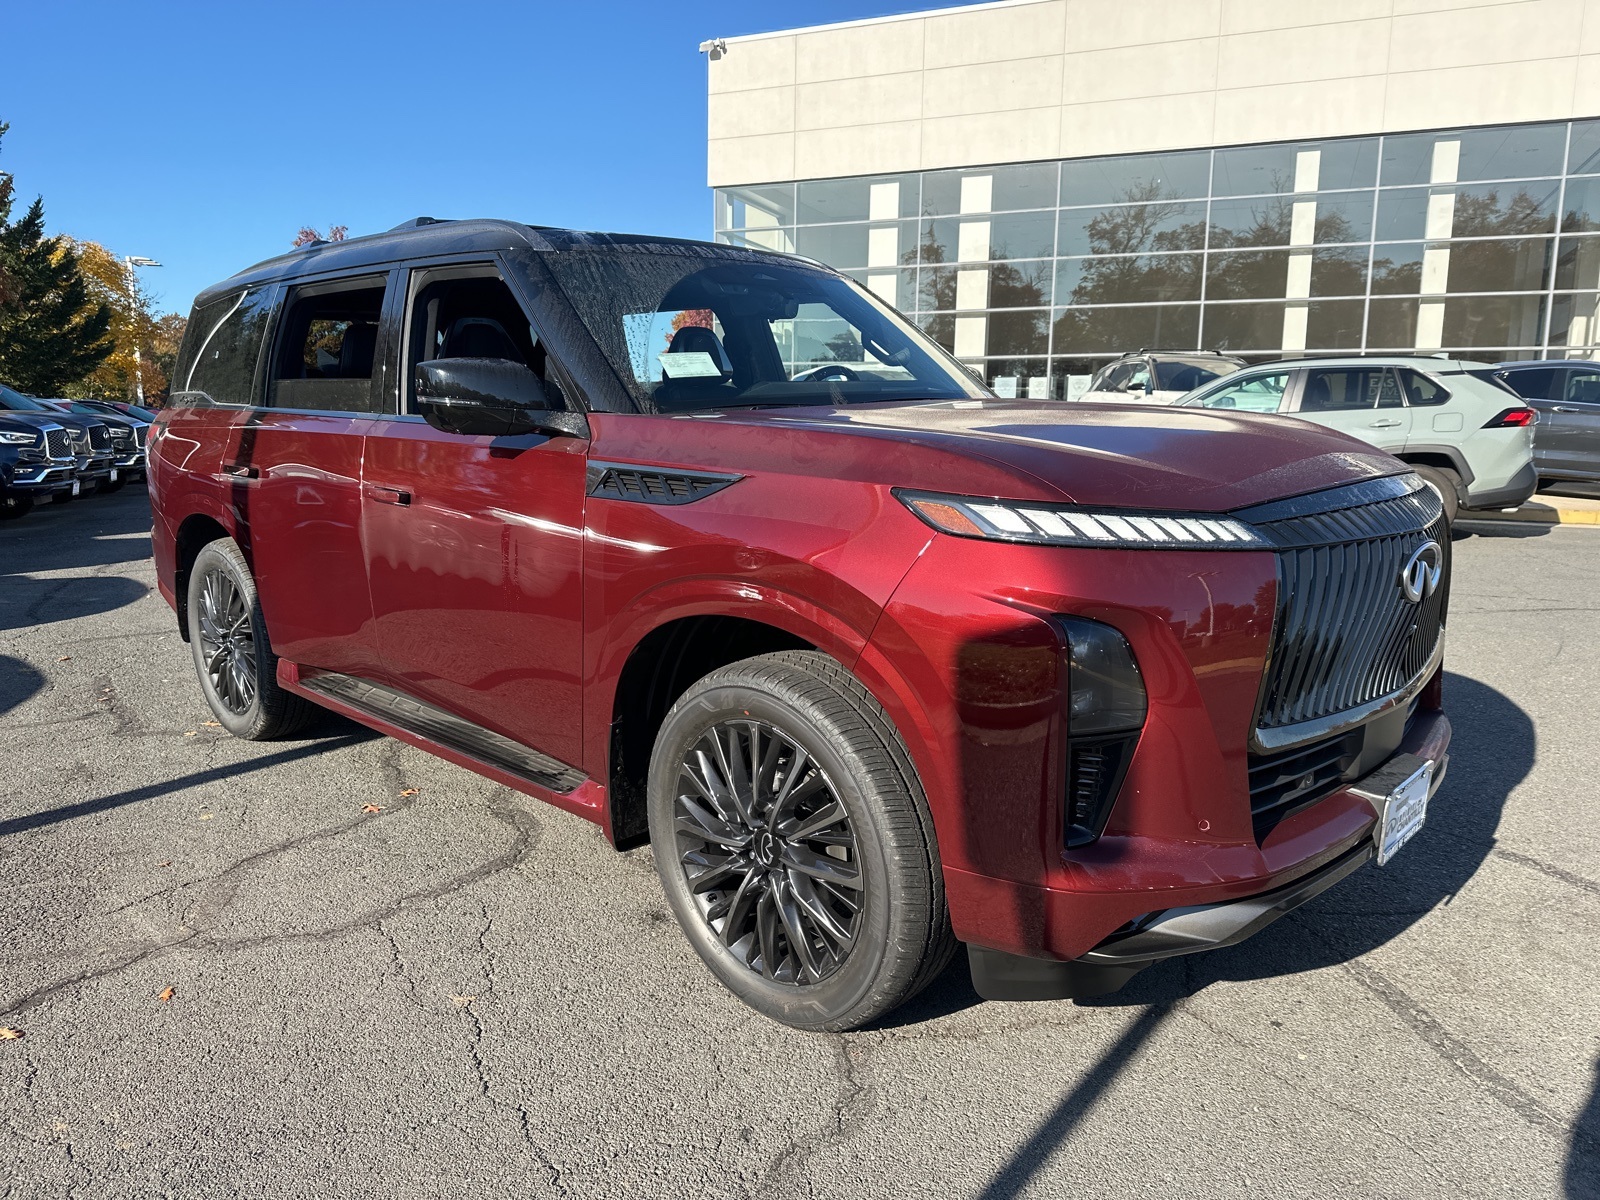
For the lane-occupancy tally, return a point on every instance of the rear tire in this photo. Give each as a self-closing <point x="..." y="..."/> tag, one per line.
<point x="764" y="904"/>
<point x="232" y="654"/>
<point x="1444" y="482"/>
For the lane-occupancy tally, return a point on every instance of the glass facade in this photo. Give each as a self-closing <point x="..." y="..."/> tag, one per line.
<point x="1480" y="242"/>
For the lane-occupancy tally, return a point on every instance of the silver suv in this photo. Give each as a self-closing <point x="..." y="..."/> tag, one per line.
<point x="1462" y="429"/>
<point x="1157" y="376"/>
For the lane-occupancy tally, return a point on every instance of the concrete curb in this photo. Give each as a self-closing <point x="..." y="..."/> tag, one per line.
<point x="1539" y="513"/>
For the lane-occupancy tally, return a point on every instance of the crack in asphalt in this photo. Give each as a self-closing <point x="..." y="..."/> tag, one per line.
<point x="852" y="1068"/>
<point x="209" y="908"/>
<point x="1544" y="868"/>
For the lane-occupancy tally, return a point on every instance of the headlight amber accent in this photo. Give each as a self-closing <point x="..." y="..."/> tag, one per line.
<point x="1070" y="525"/>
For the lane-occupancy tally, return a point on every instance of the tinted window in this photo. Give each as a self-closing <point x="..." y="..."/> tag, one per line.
<point x="1259" y="393"/>
<point x="1186" y="376"/>
<point x="1354" y="388"/>
<point x="1420" y="389"/>
<point x="1140" y="178"/>
<point x="475" y="317"/>
<point x="221" y="347"/>
<point x="327" y="344"/>
<point x="1534" y="383"/>
<point x="1582" y="387"/>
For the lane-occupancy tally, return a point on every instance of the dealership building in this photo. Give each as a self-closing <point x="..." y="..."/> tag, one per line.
<point x="1044" y="184"/>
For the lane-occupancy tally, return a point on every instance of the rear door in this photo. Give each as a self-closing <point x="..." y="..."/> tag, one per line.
<point x="295" y="467"/>
<point x="1568" y="432"/>
<point x="475" y="544"/>
<point x="1364" y="402"/>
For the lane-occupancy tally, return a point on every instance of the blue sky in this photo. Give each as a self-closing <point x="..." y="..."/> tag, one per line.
<point x="205" y="135"/>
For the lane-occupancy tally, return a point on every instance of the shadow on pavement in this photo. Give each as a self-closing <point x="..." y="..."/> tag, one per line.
<point x="1024" y="1164"/>
<point x="95" y="531"/>
<point x="25" y="602"/>
<point x="348" y="734"/>
<point x="19" y="682"/>
<point x="1582" y="1174"/>
<point x="1465" y="528"/>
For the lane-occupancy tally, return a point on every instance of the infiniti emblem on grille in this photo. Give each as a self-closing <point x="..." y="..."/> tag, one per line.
<point x="1420" y="576"/>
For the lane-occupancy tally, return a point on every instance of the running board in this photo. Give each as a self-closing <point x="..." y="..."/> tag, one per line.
<point x="447" y="729"/>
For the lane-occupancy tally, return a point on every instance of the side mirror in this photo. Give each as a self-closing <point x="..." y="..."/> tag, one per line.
<point x="1137" y="386"/>
<point x="489" y="396"/>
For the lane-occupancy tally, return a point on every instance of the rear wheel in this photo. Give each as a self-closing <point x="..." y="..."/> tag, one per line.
<point x="1444" y="482"/>
<point x="794" y="845"/>
<point x="232" y="655"/>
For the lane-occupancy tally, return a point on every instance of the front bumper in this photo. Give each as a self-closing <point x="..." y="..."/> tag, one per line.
<point x="46" y="478"/>
<point x="1198" y="926"/>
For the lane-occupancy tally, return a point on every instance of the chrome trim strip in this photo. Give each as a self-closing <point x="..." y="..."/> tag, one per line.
<point x="1286" y="737"/>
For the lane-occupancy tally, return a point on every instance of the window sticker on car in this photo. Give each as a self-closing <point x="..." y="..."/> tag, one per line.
<point x="689" y="364"/>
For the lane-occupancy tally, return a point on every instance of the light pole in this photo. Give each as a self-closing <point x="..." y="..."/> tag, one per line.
<point x="129" y="262"/>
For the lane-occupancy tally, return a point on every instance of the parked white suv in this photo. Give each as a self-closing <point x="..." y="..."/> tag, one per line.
<point x="1461" y="429"/>
<point x="1157" y="376"/>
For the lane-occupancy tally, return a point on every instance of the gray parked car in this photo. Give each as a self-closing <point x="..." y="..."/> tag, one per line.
<point x="1566" y="441"/>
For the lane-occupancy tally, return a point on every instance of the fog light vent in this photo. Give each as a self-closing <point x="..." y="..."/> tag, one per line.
<point x="1095" y="767"/>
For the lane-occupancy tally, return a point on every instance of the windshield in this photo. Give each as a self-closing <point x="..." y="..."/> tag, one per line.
<point x="1180" y="376"/>
<point x="689" y="329"/>
<point x="14" y="400"/>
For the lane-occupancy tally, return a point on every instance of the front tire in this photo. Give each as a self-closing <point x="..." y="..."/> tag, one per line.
<point x="232" y="654"/>
<point x="794" y="844"/>
<point x="1445" y="483"/>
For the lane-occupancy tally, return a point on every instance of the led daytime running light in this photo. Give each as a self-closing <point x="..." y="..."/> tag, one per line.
<point x="1053" y="525"/>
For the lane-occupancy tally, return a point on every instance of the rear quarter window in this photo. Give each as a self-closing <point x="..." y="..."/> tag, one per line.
<point x="220" y="351"/>
<point x="1420" y="390"/>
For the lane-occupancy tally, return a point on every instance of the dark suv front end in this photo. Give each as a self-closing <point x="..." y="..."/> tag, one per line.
<point x="36" y="460"/>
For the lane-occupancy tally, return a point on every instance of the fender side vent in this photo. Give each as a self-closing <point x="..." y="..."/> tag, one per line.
<point x="653" y="485"/>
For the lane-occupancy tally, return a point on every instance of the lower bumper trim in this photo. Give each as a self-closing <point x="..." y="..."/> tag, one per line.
<point x="997" y="975"/>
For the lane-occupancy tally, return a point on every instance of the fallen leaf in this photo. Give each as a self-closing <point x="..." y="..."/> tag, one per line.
<point x="462" y="1001"/>
<point x="409" y="792"/>
<point x="191" y="733"/>
<point x="10" y="1035"/>
<point x="168" y="863"/>
<point x="212" y="724"/>
<point x="207" y="816"/>
<point x="65" y="658"/>
<point x="167" y="993"/>
<point x="372" y="808"/>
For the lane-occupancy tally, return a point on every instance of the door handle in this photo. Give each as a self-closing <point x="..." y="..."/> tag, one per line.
<point x="1384" y="425"/>
<point x="239" y="471"/>
<point x="1565" y="409"/>
<point x="387" y="495"/>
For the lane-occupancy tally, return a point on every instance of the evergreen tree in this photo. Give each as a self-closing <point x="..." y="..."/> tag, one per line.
<point x="52" y="331"/>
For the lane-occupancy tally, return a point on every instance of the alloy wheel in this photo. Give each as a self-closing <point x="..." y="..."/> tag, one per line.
<point x="768" y="851"/>
<point x="227" y="641"/>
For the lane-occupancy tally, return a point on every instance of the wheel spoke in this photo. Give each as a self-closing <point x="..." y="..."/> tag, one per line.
<point x="712" y="871"/>
<point x="702" y="824"/>
<point x="767" y="933"/>
<point x="716" y="790"/>
<point x="806" y="896"/>
<point x="740" y="908"/>
<point x="830" y="814"/>
<point x="822" y="866"/>
<point x="794" y="930"/>
<point x="729" y="776"/>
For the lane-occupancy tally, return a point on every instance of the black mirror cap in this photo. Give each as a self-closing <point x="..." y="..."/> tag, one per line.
<point x="495" y="397"/>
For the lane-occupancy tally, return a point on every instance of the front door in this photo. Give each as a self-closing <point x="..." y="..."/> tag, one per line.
<point x="1361" y="401"/>
<point x="293" y="467"/>
<point x="1568" y="433"/>
<point x="474" y="545"/>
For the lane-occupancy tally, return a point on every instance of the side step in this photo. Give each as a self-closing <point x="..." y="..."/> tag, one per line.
<point x="447" y="729"/>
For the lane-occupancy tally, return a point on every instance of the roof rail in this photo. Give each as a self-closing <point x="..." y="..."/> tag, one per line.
<point x="1175" y="350"/>
<point x="416" y="223"/>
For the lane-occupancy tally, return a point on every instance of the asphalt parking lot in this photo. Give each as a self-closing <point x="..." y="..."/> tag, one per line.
<point x="466" y="994"/>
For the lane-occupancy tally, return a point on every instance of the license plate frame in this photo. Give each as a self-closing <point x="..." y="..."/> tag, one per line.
<point x="75" y="487"/>
<point x="1405" y="809"/>
<point x="113" y="474"/>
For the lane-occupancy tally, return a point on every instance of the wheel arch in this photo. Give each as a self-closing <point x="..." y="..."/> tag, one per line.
<point x="1446" y="458"/>
<point x="195" y="532"/>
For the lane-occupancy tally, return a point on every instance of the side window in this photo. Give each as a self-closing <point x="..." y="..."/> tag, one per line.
<point x="221" y="347"/>
<point x="1583" y="387"/>
<point x="1116" y="379"/>
<point x="1259" y="393"/>
<point x="1349" y="389"/>
<point x="1140" y="377"/>
<point x="1536" y="383"/>
<point x="1420" y="390"/>
<point x="471" y="313"/>
<point x="327" y="341"/>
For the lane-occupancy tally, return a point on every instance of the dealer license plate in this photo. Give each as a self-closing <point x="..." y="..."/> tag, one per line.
<point x="1404" y="810"/>
<point x="74" y="487"/>
<point x="113" y="474"/>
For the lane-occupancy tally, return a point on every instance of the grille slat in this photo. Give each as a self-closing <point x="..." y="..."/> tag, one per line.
<point x="99" y="437"/>
<point x="1345" y="634"/>
<point x="56" y="443"/>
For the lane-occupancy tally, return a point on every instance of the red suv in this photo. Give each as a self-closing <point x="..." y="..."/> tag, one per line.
<point x="713" y="548"/>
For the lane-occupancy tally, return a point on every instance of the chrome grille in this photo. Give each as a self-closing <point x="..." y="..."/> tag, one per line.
<point x="57" y="444"/>
<point x="1345" y="635"/>
<point x="99" y="437"/>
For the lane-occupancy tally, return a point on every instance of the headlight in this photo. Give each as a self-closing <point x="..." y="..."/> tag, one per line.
<point x="18" y="439"/>
<point x="1069" y="525"/>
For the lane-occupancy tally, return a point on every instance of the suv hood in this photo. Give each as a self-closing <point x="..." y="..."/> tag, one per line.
<point x="1119" y="455"/>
